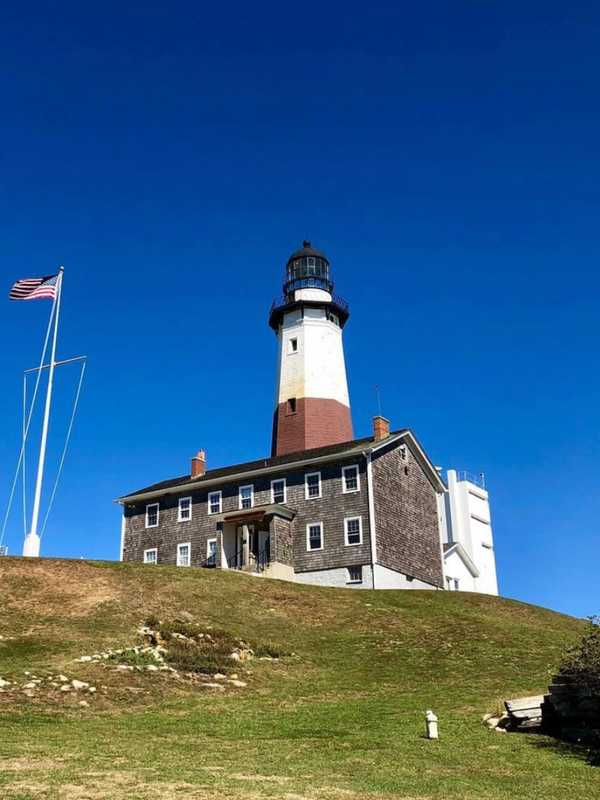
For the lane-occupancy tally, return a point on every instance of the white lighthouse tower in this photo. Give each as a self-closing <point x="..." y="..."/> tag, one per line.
<point x="312" y="406"/>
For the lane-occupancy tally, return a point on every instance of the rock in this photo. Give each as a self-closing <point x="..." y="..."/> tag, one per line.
<point x="29" y="693"/>
<point x="77" y="685"/>
<point x="500" y="730"/>
<point x="62" y="678"/>
<point x="235" y="656"/>
<point x="184" y="616"/>
<point x="490" y="721"/>
<point x="239" y="684"/>
<point x="84" y="704"/>
<point x="234" y="676"/>
<point x="124" y="668"/>
<point x="30" y="685"/>
<point x="213" y="686"/>
<point x="65" y="687"/>
<point x="151" y="667"/>
<point x="92" y="689"/>
<point x="84" y="658"/>
<point x="218" y="676"/>
<point x="4" y="683"/>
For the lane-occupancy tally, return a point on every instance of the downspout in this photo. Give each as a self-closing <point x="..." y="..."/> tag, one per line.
<point x="372" y="532"/>
<point x="122" y="534"/>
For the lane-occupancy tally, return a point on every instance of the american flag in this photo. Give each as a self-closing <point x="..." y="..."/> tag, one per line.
<point x="34" y="288"/>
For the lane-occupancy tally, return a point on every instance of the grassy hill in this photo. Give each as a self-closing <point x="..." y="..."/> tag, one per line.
<point x="339" y="716"/>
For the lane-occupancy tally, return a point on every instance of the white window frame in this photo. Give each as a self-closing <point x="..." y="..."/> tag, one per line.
<point x="279" y="480"/>
<point x="179" y="517"/>
<point x="308" y="475"/>
<point x="345" y="490"/>
<point x="355" y="580"/>
<point x="189" y="547"/>
<point x="153" y="505"/>
<point x="151" y="550"/>
<point x="308" y="547"/>
<point x="246" y="486"/>
<point x="208" y="503"/>
<point x="360" y="531"/>
<point x="208" y="544"/>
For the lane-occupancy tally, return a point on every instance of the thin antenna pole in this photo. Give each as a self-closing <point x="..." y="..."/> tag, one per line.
<point x="31" y="546"/>
<point x="378" y="396"/>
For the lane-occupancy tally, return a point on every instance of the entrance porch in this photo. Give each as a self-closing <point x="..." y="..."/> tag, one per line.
<point x="258" y="540"/>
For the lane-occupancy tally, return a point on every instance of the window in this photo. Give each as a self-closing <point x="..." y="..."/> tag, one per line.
<point x="151" y="556"/>
<point x="293" y="345"/>
<point x="314" y="536"/>
<point x="185" y="509"/>
<point x="246" y="496"/>
<point x="312" y="485"/>
<point x="291" y="405"/>
<point x="211" y="552"/>
<point x="452" y="584"/>
<point x="183" y="555"/>
<point x="353" y="530"/>
<point x="152" y="515"/>
<point x="278" y="491"/>
<point x="215" y="502"/>
<point x="403" y="452"/>
<point x="355" y="575"/>
<point x="350" y="479"/>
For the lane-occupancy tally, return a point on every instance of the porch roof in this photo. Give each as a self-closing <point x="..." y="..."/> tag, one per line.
<point x="255" y="513"/>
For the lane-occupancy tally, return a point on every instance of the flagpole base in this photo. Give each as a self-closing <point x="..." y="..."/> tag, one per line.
<point x="31" y="546"/>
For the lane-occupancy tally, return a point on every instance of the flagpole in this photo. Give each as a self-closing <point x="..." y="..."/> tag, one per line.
<point x="31" y="545"/>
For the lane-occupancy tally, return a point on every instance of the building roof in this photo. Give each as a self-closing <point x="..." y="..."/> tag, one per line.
<point x="457" y="547"/>
<point x="344" y="449"/>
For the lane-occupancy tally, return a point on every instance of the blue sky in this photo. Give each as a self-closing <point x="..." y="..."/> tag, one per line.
<point x="445" y="157"/>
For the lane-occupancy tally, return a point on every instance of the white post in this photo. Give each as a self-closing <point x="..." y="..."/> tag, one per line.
<point x="431" y="724"/>
<point x="31" y="545"/>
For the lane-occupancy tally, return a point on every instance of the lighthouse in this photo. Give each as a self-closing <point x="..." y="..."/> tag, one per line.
<point x="312" y="405"/>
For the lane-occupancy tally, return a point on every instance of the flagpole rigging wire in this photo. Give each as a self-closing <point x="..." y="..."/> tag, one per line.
<point x="64" y="452"/>
<point x="21" y="454"/>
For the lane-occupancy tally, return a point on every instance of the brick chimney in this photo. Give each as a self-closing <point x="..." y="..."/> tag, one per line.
<point x="381" y="428"/>
<point x="199" y="464"/>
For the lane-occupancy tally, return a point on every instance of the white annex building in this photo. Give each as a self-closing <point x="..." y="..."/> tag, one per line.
<point x="466" y="527"/>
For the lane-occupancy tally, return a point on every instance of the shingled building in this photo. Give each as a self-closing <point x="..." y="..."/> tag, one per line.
<point x="325" y="508"/>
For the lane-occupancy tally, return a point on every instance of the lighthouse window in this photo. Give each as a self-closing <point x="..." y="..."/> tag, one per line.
<point x="312" y="485"/>
<point x="291" y="405"/>
<point x="293" y="345"/>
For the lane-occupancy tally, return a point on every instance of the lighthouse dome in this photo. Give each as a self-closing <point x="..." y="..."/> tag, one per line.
<point x="308" y="268"/>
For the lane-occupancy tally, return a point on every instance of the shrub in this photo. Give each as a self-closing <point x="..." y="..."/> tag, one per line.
<point x="581" y="665"/>
<point x="152" y="622"/>
<point x="192" y="656"/>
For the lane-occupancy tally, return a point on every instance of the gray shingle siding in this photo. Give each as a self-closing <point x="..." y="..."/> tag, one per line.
<point x="405" y="512"/>
<point x="289" y="548"/>
<point x="406" y="516"/>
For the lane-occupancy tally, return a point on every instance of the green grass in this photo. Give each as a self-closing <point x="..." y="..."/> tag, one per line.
<point x="338" y="715"/>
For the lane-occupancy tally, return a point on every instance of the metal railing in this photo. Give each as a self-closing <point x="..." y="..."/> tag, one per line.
<point x="477" y="480"/>
<point x="283" y="301"/>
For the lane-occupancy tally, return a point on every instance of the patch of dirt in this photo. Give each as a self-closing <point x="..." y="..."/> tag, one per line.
<point x="64" y="588"/>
